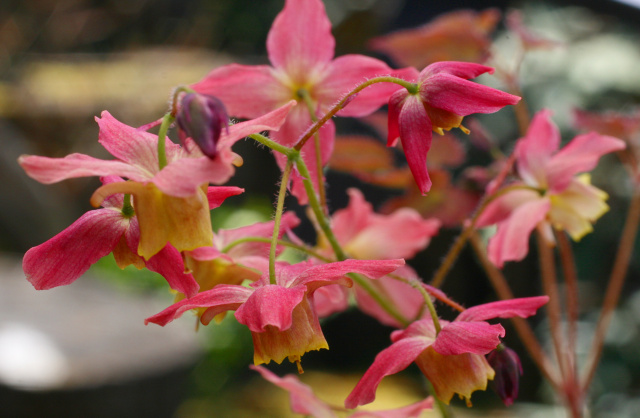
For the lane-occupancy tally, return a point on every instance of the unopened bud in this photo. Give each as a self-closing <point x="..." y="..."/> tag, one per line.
<point x="506" y="364"/>
<point x="202" y="118"/>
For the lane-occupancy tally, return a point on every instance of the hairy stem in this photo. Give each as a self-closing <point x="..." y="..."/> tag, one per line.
<point x="276" y="222"/>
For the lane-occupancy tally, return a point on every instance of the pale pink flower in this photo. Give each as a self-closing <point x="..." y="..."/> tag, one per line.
<point x="301" y="50"/>
<point x="304" y="401"/>
<point x="453" y="359"/>
<point x="281" y="317"/>
<point x="552" y="192"/>
<point x="445" y="96"/>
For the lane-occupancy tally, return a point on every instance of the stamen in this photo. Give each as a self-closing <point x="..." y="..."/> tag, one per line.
<point x="465" y="130"/>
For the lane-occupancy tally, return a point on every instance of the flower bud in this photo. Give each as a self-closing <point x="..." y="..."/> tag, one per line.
<point x="202" y="118"/>
<point x="506" y="364"/>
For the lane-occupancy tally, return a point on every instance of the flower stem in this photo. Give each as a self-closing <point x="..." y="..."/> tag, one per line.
<point x="616" y="280"/>
<point x="572" y="292"/>
<point x="411" y="87"/>
<point x="272" y="144"/>
<point x="127" y="207"/>
<point x="167" y="120"/>
<point x="276" y="222"/>
<point x="522" y="327"/>
<point x="379" y="297"/>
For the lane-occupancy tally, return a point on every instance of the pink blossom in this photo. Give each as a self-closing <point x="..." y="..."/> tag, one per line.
<point x="304" y="401"/>
<point x="65" y="257"/>
<point x="301" y="50"/>
<point x="552" y="192"/>
<point x="445" y="96"/>
<point x="172" y="204"/>
<point x="281" y="317"/>
<point x="453" y="359"/>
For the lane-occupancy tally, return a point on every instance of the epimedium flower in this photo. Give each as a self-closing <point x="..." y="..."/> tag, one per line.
<point x="111" y="229"/>
<point x="202" y="117"/>
<point x="508" y="368"/>
<point x="301" y="50"/>
<point x="453" y="359"/>
<point x="552" y="192"/>
<point x="304" y="401"/>
<point x="172" y="203"/>
<point x="445" y="95"/>
<point x="281" y="317"/>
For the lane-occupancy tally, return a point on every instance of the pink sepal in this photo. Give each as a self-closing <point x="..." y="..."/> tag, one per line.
<point x="415" y="135"/>
<point x="410" y="411"/>
<point x="324" y="274"/>
<point x="217" y="195"/>
<point x="465" y="70"/>
<point x="460" y="337"/>
<point x="521" y="307"/>
<point x="270" y="305"/>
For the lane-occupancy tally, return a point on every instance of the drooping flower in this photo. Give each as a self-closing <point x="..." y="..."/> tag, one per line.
<point x="281" y="317"/>
<point x="172" y="204"/>
<point x="445" y="96"/>
<point x="453" y="359"/>
<point x="301" y="50"/>
<point x="304" y="401"/>
<point x="463" y="35"/>
<point x="65" y="257"/>
<point x="552" y="192"/>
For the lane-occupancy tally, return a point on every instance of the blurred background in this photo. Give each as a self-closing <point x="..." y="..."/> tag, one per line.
<point x="74" y="351"/>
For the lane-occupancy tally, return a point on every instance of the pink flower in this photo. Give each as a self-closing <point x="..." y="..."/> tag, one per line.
<point x="301" y="50"/>
<point x="453" y="360"/>
<point x="65" y="257"/>
<point x="281" y="317"/>
<point x="551" y="192"/>
<point x="171" y="204"/>
<point x="445" y="96"/>
<point x="304" y="401"/>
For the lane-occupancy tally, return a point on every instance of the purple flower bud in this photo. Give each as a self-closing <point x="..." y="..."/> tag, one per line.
<point x="506" y="364"/>
<point x="202" y="118"/>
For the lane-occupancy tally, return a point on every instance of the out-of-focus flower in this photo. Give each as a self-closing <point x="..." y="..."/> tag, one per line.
<point x="463" y="35"/>
<point x="301" y="50"/>
<point x="202" y="117"/>
<point x="65" y="257"/>
<point x="304" y="401"/>
<point x="453" y="359"/>
<point x="529" y="40"/>
<point x="281" y="316"/>
<point x="551" y="192"/>
<point x="445" y="96"/>
<point x="506" y="363"/>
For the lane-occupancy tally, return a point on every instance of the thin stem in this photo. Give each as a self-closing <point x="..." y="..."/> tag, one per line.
<point x="283" y="243"/>
<point x="461" y="240"/>
<point x="167" y="120"/>
<point x="429" y="304"/>
<point x="304" y="94"/>
<point x="616" y="280"/>
<point x="272" y="144"/>
<point x="571" y="296"/>
<point x="317" y="210"/>
<point x="411" y="87"/>
<point x="380" y="298"/>
<point x="526" y="334"/>
<point x="276" y="222"/>
<point x="127" y="207"/>
<point x="550" y="286"/>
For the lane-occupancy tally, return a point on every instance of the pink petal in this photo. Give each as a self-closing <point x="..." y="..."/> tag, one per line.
<point x="302" y="399"/>
<point x="324" y="274"/>
<point x="65" y="257"/>
<point x="521" y="307"/>
<point x="220" y="299"/>
<point x="271" y="121"/>
<point x="52" y="170"/>
<point x="330" y="299"/>
<point x="391" y="360"/>
<point x="270" y="305"/>
<point x="578" y="156"/>
<point x="465" y="70"/>
<point x="415" y="135"/>
<point x="463" y="97"/>
<point x="476" y="337"/>
<point x="168" y="263"/>
<point x="409" y="411"/>
<point x="395" y="106"/>
<point x="300" y="41"/>
<point x="347" y="72"/>
<point x="534" y="151"/>
<point x="511" y="241"/>
<point x="217" y="195"/>
<point x="246" y="91"/>
<point x="348" y="222"/>
<point x="500" y="208"/>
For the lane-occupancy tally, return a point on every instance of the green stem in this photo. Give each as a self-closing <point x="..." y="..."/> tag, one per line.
<point x="428" y="303"/>
<point x="276" y="222"/>
<point x="167" y="120"/>
<point x="127" y="207"/>
<point x="273" y="145"/>
<point x="283" y="243"/>
<point x="412" y="88"/>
